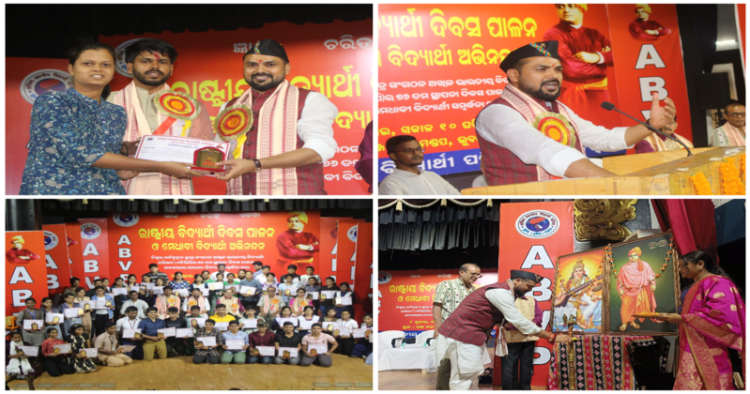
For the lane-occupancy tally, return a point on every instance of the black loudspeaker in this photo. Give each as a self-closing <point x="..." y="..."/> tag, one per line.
<point x="712" y="90"/>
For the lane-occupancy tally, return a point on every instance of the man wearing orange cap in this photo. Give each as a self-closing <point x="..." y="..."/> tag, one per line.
<point x="644" y="29"/>
<point x="17" y="254"/>
<point x="585" y="54"/>
<point x="296" y="246"/>
<point x="636" y="283"/>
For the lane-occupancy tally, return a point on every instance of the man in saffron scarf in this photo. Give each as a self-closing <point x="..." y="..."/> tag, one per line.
<point x="280" y="135"/>
<point x="732" y="132"/>
<point x="151" y="63"/>
<point x="711" y="323"/>
<point x="295" y="245"/>
<point x="636" y="283"/>
<point x="526" y="135"/>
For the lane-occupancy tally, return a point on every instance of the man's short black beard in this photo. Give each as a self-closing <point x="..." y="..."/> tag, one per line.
<point x="141" y="78"/>
<point x="264" y="88"/>
<point x="540" y="93"/>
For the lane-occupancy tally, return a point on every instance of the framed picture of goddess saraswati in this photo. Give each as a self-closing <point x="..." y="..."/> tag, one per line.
<point x="578" y="295"/>
<point x="642" y="282"/>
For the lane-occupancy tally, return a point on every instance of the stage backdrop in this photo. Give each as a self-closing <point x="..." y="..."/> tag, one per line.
<point x="532" y="235"/>
<point x="439" y="66"/>
<point x="25" y="277"/>
<point x="407" y="296"/>
<point x="58" y="260"/>
<point x="363" y="271"/>
<point x="95" y="251"/>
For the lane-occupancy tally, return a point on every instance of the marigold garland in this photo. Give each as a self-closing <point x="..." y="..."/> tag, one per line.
<point x="702" y="187"/>
<point x="608" y="256"/>
<point x="730" y="178"/>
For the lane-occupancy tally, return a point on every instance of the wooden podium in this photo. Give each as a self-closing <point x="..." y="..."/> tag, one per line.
<point x="649" y="174"/>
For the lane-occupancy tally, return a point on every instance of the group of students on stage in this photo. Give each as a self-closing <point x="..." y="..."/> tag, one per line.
<point x="262" y="322"/>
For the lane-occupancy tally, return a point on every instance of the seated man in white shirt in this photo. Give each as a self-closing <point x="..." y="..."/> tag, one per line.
<point x="407" y="178"/>
<point x="140" y="305"/>
<point x="526" y="135"/>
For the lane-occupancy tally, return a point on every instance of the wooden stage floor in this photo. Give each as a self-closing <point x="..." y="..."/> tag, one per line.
<point x="180" y="373"/>
<point x="416" y="380"/>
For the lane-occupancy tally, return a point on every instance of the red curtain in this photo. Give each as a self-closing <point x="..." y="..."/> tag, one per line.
<point x="692" y="222"/>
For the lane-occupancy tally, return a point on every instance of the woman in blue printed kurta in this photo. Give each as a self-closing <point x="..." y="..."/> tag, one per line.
<point x="76" y="137"/>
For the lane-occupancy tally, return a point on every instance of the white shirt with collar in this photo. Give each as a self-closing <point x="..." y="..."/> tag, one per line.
<point x="427" y="183"/>
<point x="125" y="322"/>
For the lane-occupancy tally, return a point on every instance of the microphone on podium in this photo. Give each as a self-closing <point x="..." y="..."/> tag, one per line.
<point x="609" y="107"/>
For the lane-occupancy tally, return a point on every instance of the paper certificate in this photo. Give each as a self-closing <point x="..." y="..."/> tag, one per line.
<point x="158" y="290"/>
<point x="101" y="304"/>
<point x="182" y="292"/>
<point x="55" y="318"/>
<point x="235" y="344"/>
<point x="288" y="352"/>
<point x="126" y="348"/>
<point x="359" y="333"/>
<point x="32" y="324"/>
<point x="28" y="351"/>
<point x="183" y="332"/>
<point x="205" y="341"/>
<point x="327" y="295"/>
<point x="344" y="301"/>
<point x="306" y="325"/>
<point x="266" y="350"/>
<point x="216" y="286"/>
<point x="149" y="286"/>
<point x="315" y="350"/>
<point x="248" y="290"/>
<point x="63" y="348"/>
<point x="250" y="323"/>
<point x="136" y="288"/>
<point x="329" y="326"/>
<point x="72" y="312"/>
<point x="282" y="320"/>
<point x="222" y="326"/>
<point x="89" y="352"/>
<point x="197" y="322"/>
<point x="119" y="291"/>
<point x="88" y="305"/>
<point x="130" y="333"/>
<point x="166" y="332"/>
<point x="179" y="149"/>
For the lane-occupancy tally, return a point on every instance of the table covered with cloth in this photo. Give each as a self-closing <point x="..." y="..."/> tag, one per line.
<point x="598" y="362"/>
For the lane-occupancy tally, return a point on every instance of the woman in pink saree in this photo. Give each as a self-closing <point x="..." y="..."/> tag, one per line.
<point x="711" y="322"/>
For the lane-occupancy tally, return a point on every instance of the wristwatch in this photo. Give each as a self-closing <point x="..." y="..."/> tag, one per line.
<point x="257" y="165"/>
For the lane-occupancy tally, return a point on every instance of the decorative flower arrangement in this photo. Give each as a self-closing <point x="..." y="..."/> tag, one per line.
<point x="702" y="187"/>
<point x="730" y="178"/>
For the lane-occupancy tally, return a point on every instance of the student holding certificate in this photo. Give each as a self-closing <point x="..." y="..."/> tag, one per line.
<point x="288" y="289"/>
<point x="328" y="296"/>
<point x="252" y="299"/>
<point x="103" y="315"/>
<point x="19" y="365"/>
<point x="131" y="322"/>
<point x="55" y="363"/>
<point x="363" y="348"/>
<point x="72" y="313"/>
<point x="307" y="320"/>
<point x="205" y="352"/>
<point x="175" y="345"/>
<point x="216" y="287"/>
<point x="150" y="334"/>
<point x="232" y="339"/>
<point x="109" y="351"/>
<point x="345" y="299"/>
<point x="32" y="336"/>
<point x="83" y="301"/>
<point x="262" y="337"/>
<point x="287" y="339"/>
<point x="345" y="328"/>
<point x="80" y="340"/>
<point x="52" y="316"/>
<point x="315" y="348"/>
<point x="330" y="321"/>
<point x="250" y="316"/>
<point x="300" y="301"/>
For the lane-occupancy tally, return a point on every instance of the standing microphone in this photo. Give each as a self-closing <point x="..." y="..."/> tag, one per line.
<point x="609" y="107"/>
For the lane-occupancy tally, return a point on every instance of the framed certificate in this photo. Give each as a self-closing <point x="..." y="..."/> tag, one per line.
<point x="222" y="326"/>
<point x="329" y="326"/>
<point x="33" y="324"/>
<point x="131" y="333"/>
<point x="249" y="323"/>
<point x="315" y="350"/>
<point x="89" y="352"/>
<point x="119" y="291"/>
<point x="62" y="349"/>
<point x="359" y="333"/>
<point x="158" y="289"/>
<point x="205" y="341"/>
<point x="183" y="332"/>
<point x="54" y="318"/>
<point x="248" y="291"/>
<point x="166" y="332"/>
<point x="266" y="350"/>
<point x="288" y="352"/>
<point x="28" y="351"/>
<point x="235" y="344"/>
<point x="198" y="153"/>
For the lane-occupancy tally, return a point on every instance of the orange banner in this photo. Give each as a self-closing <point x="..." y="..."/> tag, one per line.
<point x="95" y="251"/>
<point x="329" y="235"/>
<point x="25" y="269"/>
<point x="334" y="59"/>
<point x="347" y="251"/>
<point x="439" y="66"/>
<point x="191" y="243"/>
<point x="75" y="251"/>
<point x="58" y="261"/>
<point x="532" y="235"/>
<point x="363" y="271"/>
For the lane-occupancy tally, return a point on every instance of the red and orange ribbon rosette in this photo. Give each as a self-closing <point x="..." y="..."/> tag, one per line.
<point x="556" y="127"/>
<point x="177" y="105"/>
<point x="233" y="122"/>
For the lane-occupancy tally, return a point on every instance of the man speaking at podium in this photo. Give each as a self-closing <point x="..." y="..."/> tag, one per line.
<point x="526" y="135"/>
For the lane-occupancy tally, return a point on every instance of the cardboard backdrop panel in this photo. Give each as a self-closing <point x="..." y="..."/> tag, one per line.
<point x="57" y="259"/>
<point x="532" y="235"/>
<point x="347" y="252"/>
<point x="25" y="80"/>
<point x="25" y="269"/>
<point x="95" y="251"/>
<point x="406" y="297"/>
<point x="329" y="237"/>
<point x="439" y="66"/>
<point x="363" y="270"/>
<point x="191" y="243"/>
<point x="334" y="59"/>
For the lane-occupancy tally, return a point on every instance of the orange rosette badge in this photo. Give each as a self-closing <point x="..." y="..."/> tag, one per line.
<point x="556" y="127"/>
<point x="233" y="122"/>
<point x="177" y="105"/>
